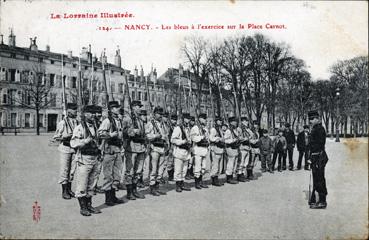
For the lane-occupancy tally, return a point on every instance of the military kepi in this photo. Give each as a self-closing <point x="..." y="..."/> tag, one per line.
<point x="90" y="108"/>
<point x="72" y="106"/>
<point x="137" y="103"/>
<point x="313" y="114"/>
<point x="113" y="104"/>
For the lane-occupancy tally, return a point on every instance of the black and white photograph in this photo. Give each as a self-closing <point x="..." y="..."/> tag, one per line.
<point x="183" y="119"/>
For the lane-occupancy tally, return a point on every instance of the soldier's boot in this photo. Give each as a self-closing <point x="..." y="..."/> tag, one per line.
<point x="241" y="178"/>
<point x="99" y="190"/>
<point x="215" y="181"/>
<point x="244" y="177"/>
<point x="65" y="193"/>
<point x="322" y="204"/>
<point x="158" y="189"/>
<point x="153" y="190"/>
<point x="251" y="174"/>
<point x="188" y="175"/>
<point x="83" y="206"/>
<point x="136" y="193"/>
<point x="108" y="198"/>
<point x="114" y="197"/>
<point x="202" y="184"/>
<point x="230" y="180"/>
<point x="140" y="183"/>
<point x="90" y="208"/>
<point x="197" y="183"/>
<point x="130" y="195"/>
<point x="178" y="186"/>
<point x="171" y="175"/>
<point x="183" y="187"/>
<point x="69" y="184"/>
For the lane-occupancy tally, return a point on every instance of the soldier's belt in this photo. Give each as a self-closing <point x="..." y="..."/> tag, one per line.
<point x="66" y="143"/>
<point x="218" y="144"/>
<point x="253" y="145"/>
<point x="90" y="151"/>
<point x="245" y="143"/>
<point x="138" y="140"/>
<point x="158" y="143"/>
<point x="184" y="146"/>
<point x="233" y="145"/>
<point x="115" y="142"/>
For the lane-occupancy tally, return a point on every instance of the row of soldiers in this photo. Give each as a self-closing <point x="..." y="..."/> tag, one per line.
<point x="102" y="142"/>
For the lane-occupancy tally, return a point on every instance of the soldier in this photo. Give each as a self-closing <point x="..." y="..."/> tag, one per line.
<point x="63" y="134"/>
<point x="135" y="152"/>
<point x="166" y="123"/>
<point x="255" y="151"/>
<point x="84" y="139"/>
<point x="156" y="134"/>
<point x="172" y="122"/>
<point x="232" y="141"/>
<point x="318" y="160"/>
<point x="291" y="141"/>
<point x="217" y="146"/>
<point x="111" y="131"/>
<point x="245" y="134"/>
<point x="181" y="151"/>
<point x="140" y="182"/>
<point x="200" y="137"/>
<point x="189" y="174"/>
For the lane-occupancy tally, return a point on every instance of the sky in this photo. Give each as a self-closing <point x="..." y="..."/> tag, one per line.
<point x="320" y="33"/>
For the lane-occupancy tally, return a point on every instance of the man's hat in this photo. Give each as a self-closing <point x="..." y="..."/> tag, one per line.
<point x="158" y="110"/>
<point x="166" y="114"/>
<point x="113" y="104"/>
<point x="244" y="118"/>
<point x="143" y="112"/>
<point x="313" y="114"/>
<point x="72" y="106"/>
<point x="232" y="119"/>
<point x="306" y="126"/>
<point x="218" y="118"/>
<point x="255" y="122"/>
<point x="192" y="118"/>
<point x="288" y="125"/>
<point x="136" y="103"/>
<point x="173" y="117"/>
<point x="89" y="109"/>
<point x="98" y="109"/>
<point x="280" y="130"/>
<point x="203" y="115"/>
<point x="186" y="115"/>
<point x="265" y="130"/>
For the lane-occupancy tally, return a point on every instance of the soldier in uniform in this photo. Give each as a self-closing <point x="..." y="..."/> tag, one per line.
<point x="217" y="146"/>
<point x="135" y="152"/>
<point x="172" y="122"/>
<point x="245" y="134"/>
<point x="200" y="137"/>
<point x="189" y="174"/>
<point x="232" y="140"/>
<point x="111" y="130"/>
<point x="254" y="152"/>
<point x="318" y="160"/>
<point x="63" y="134"/>
<point x="140" y="182"/>
<point x="181" y="142"/>
<point x="156" y="134"/>
<point x="85" y="141"/>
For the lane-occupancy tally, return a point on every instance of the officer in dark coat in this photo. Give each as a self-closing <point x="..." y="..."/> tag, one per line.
<point x="319" y="159"/>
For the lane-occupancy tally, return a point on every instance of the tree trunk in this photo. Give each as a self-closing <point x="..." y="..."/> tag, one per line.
<point x="37" y="121"/>
<point x="332" y="126"/>
<point x="345" y="128"/>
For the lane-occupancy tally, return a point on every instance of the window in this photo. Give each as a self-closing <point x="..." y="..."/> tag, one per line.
<point x="13" y="119"/>
<point x="12" y="55"/>
<point x="40" y="120"/>
<point x="52" y="100"/>
<point x="5" y="98"/>
<point x="26" y="57"/>
<point x="52" y="61"/>
<point x="112" y="87"/>
<point x="40" y="60"/>
<point x="12" y="93"/>
<point x="74" y="65"/>
<point x="139" y="96"/>
<point x="120" y="87"/>
<point x="52" y="80"/>
<point x="12" y="75"/>
<point x="27" y="118"/>
<point x="86" y="67"/>
<point x="145" y="96"/>
<point x="133" y="96"/>
<point x="74" y="82"/>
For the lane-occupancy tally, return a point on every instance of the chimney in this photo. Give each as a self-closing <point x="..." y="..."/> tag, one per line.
<point x="142" y="74"/>
<point x="33" y="45"/>
<point x="136" y="72"/>
<point x="155" y="75"/>
<point x="70" y="54"/>
<point x="84" y="54"/>
<point x="47" y="48"/>
<point x="1" y="39"/>
<point x="89" y="54"/>
<point x="117" y="58"/>
<point x="103" y="58"/>
<point x="11" y="42"/>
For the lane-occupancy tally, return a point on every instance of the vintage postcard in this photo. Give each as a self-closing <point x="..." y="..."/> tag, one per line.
<point x="183" y="119"/>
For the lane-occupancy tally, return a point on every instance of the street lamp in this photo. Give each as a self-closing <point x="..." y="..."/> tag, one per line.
<point x="337" y="116"/>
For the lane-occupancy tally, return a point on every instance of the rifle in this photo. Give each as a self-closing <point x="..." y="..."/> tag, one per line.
<point x="132" y="114"/>
<point x="212" y="104"/>
<point x="223" y="108"/>
<point x="236" y="102"/>
<point x="195" y="110"/>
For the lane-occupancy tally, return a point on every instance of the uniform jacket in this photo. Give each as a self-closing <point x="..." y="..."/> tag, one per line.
<point x="281" y="139"/>
<point x="78" y="141"/>
<point x="231" y="138"/>
<point x="302" y="141"/>
<point x="266" y="145"/>
<point x="317" y="139"/>
<point x="196" y="137"/>
<point x="255" y="141"/>
<point x="105" y="129"/>
<point x="245" y="134"/>
<point x="136" y="141"/>
<point x="157" y="127"/>
<point x="179" y="141"/>
<point x="290" y="138"/>
<point x="216" y="138"/>
<point x="65" y="127"/>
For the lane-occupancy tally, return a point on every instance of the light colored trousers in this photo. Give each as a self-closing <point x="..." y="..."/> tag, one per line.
<point x="157" y="166"/>
<point x="231" y="164"/>
<point x="242" y="163"/>
<point x="216" y="162"/>
<point x="199" y="168"/>
<point x="134" y="166"/>
<point x="86" y="175"/>
<point x="112" y="170"/>
<point x="180" y="169"/>
<point x="67" y="167"/>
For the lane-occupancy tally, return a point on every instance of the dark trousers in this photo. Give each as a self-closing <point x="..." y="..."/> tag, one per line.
<point x="318" y="171"/>
<point x="289" y="151"/>
<point x="280" y="156"/>
<point x="302" y="154"/>
<point x="265" y="160"/>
